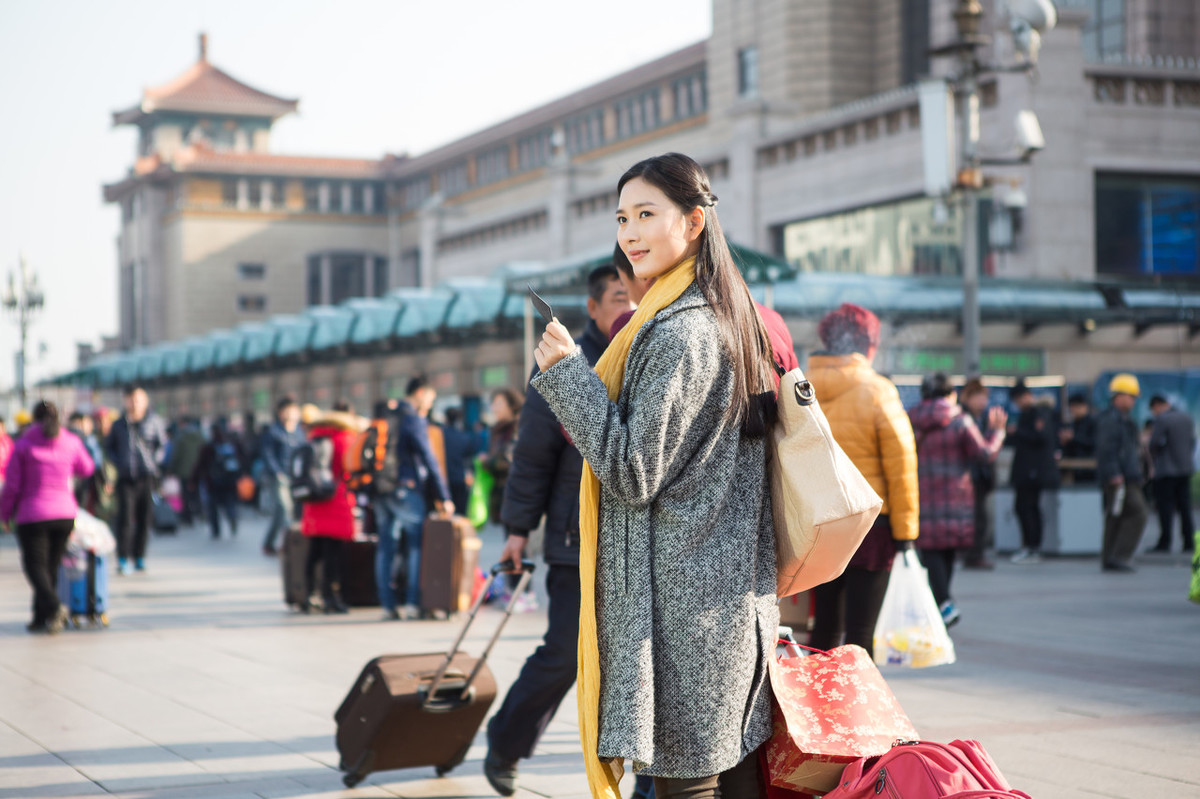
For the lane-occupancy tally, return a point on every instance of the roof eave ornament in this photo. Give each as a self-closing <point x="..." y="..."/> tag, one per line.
<point x="204" y="47"/>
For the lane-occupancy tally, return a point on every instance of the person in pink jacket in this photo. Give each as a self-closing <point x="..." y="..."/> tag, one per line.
<point x="39" y="496"/>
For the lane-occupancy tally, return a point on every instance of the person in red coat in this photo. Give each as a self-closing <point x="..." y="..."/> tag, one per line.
<point x="948" y="443"/>
<point x="329" y="524"/>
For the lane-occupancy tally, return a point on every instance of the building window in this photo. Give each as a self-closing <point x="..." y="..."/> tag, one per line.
<point x="410" y="268"/>
<point x="748" y="72"/>
<point x="453" y="180"/>
<point x="534" y="151"/>
<point x="1147" y="225"/>
<point x="313" y="282"/>
<point x="254" y="193"/>
<point x="252" y="303"/>
<point x="229" y="191"/>
<point x="637" y="114"/>
<point x="491" y="166"/>
<point x="381" y="275"/>
<point x="1104" y="30"/>
<point x="251" y="271"/>
<point x="413" y="192"/>
<point x="584" y="131"/>
<point x="312" y="195"/>
<point x="914" y="44"/>
<point x="690" y="96"/>
<point x="347" y="277"/>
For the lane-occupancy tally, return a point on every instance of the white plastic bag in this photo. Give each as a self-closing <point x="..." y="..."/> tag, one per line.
<point x="90" y="535"/>
<point x="910" y="631"/>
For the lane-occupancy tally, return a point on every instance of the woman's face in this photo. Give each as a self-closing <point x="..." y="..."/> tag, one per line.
<point x="653" y="233"/>
<point x="501" y="412"/>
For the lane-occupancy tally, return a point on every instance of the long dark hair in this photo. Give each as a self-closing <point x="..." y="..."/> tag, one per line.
<point x="686" y="184"/>
<point x="45" y="413"/>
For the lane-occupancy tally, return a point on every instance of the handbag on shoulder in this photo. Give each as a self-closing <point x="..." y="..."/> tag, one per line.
<point x="823" y="505"/>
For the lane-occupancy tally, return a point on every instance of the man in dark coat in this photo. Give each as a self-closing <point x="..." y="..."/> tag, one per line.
<point x="544" y="482"/>
<point x="1172" y="450"/>
<point x="136" y="445"/>
<point x="1034" y="469"/>
<point x="1120" y="471"/>
<point x="1079" y="437"/>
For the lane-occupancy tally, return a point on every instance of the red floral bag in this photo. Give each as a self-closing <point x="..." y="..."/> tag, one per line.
<point x="831" y="708"/>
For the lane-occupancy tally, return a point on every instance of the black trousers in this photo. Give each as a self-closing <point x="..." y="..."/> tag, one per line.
<point x="547" y="675"/>
<point x="133" y="517"/>
<point x="939" y="563"/>
<point x="1173" y="495"/>
<point x="1029" y="514"/>
<point x="331" y="554"/>
<point x="43" y="545"/>
<point x="222" y="499"/>
<point x="850" y="604"/>
<point x="1123" y="533"/>
<point x="985" y="537"/>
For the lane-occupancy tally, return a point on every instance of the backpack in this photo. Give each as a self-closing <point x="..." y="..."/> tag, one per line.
<point x="926" y="770"/>
<point x="311" y="471"/>
<point x="365" y="458"/>
<point x="225" y="466"/>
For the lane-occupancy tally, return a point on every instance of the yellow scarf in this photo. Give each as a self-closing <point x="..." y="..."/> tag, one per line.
<point x="604" y="777"/>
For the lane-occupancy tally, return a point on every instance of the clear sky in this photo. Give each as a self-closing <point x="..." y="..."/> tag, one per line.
<point x="373" y="77"/>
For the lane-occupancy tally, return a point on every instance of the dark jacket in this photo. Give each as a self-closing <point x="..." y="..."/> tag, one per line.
<point x="498" y="461"/>
<point x="1082" y="445"/>
<point x="417" y="468"/>
<point x="137" y="449"/>
<point x="546" y="469"/>
<point x="1117" y="447"/>
<point x="460" y="448"/>
<point x="1034" y="441"/>
<point x="277" y="446"/>
<point x="1173" y="444"/>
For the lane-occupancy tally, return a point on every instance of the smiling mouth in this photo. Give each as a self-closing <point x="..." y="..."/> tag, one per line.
<point x="635" y="255"/>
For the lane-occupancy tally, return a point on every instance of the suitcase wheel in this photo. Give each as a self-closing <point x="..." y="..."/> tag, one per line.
<point x="446" y="768"/>
<point x="350" y="780"/>
<point x="76" y="621"/>
<point x="100" y="619"/>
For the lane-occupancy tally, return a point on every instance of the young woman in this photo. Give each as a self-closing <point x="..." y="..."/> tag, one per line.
<point x="677" y="556"/>
<point x="329" y="524"/>
<point x="506" y="413"/>
<point x="40" y="495"/>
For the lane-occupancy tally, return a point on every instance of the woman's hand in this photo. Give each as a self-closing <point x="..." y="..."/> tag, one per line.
<point x="997" y="418"/>
<point x="555" y="345"/>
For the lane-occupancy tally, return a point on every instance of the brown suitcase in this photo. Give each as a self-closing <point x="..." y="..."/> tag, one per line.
<point x="419" y="710"/>
<point x="449" y="552"/>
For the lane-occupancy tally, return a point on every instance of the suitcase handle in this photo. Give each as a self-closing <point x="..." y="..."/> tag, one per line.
<point x="527" y="569"/>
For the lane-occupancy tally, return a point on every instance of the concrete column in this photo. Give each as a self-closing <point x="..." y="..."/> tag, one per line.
<point x="431" y="223"/>
<point x="558" y="201"/>
<point x="268" y="196"/>
<point x="368" y="198"/>
<point x="347" y="197"/>
<point x="243" y="194"/>
<point x="368" y="275"/>
<point x="739" y="213"/>
<point x="326" y="278"/>
<point x="323" y="197"/>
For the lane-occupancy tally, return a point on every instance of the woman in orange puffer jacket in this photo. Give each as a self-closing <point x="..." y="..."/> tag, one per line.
<point x="869" y="422"/>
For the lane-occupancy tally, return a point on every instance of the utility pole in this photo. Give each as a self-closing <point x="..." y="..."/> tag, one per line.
<point x="22" y="297"/>
<point x="967" y="18"/>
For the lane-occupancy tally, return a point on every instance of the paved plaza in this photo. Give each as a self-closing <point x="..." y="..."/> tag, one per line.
<point x="1080" y="684"/>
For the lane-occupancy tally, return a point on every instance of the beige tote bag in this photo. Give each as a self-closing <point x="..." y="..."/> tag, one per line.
<point x="823" y="505"/>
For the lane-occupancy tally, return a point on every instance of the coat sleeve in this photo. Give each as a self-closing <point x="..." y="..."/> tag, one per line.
<point x="675" y="406"/>
<point x="82" y="465"/>
<point x="13" y="478"/>
<point x="424" y="451"/>
<point x="535" y="465"/>
<point x="975" y="446"/>
<point x="898" y="454"/>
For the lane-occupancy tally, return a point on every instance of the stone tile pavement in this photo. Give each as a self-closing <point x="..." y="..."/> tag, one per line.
<point x="1080" y="684"/>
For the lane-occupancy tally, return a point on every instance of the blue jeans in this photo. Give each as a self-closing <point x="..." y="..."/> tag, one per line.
<point x="280" y="489"/>
<point x="396" y="519"/>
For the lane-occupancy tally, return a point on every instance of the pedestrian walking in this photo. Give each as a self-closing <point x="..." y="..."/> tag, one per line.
<point x="181" y="463"/>
<point x="460" y="454"/>
<point x="1119" y="468"/>
<point x="677" y="544"/>
<point x="869" y="422"/>
<point x="39" y="496"/>
<point x="506" y="413"/>
<point x="948" y="444"/>
<point x="328" y="524"/>
<point x="1172" y="450"/>
<point x="218" y="468"/>
<point x="983" y="481"/>
<point x="543" y="484"/>
<point x="1034" y="469"/>
<point x="416" y="475"/>
<point x="136" y="445"/>
<point x="279" y="441"/>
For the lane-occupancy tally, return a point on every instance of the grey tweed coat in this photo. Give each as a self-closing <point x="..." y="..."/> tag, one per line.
<point x="685" y="584"/>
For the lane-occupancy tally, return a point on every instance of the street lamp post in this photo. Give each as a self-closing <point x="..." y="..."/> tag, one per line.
<point x="23" y="297"/>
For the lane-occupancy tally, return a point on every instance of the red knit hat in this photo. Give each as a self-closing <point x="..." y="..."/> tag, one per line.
<point x="851" y="328"/>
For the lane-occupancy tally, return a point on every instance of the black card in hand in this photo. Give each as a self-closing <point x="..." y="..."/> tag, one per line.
<point x="543" y="307"/>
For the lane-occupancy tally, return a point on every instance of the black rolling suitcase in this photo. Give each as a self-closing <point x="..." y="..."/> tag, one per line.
<point x="419" y="710"/>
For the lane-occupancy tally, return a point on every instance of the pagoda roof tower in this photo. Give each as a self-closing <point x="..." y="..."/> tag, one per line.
<point x="205" y="89"/>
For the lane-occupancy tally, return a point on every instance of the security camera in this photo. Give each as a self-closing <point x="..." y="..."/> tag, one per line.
<point x="1028" y="20"/>
<point x="1029" y="134"/>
